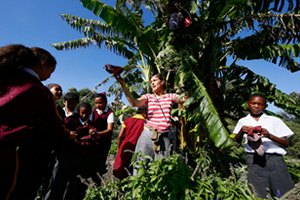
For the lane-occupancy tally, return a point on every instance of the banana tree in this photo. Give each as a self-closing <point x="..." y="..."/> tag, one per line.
<point x="194" y="57"/>
<point x="214" y="35"/>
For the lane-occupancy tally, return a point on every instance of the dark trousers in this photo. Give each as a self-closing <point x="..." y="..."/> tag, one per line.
<point x="268" y="171"/>
<point x="66" y="184"/>
<point x="32" y="167"/>
<point x="8" y="170"/>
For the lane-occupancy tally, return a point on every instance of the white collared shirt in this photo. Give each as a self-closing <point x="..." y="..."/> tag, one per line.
<point x="274" y="125"/>
<point x="68" y="115"/>
<point x="30" y="71"/>
<point x="83" y="122"/>
<point x="110" y="118"/>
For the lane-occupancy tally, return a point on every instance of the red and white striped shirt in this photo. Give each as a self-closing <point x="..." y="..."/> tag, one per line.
<point x="155" y="117"/>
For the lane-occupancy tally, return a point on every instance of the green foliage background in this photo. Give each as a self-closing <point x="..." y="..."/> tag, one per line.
<point x="195" y="59"/>
<point x="182" y="177"/>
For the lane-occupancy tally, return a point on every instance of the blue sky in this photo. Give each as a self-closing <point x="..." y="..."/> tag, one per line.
<point x="38" y="23"/>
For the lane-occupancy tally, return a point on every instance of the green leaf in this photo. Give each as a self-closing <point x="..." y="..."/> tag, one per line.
<point x="210" y="117"/>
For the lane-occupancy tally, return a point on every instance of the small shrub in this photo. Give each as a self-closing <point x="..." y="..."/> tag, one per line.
<point x="294" y="169"/>
<point x="173" y="178"/>
<point x="113" y="148"/>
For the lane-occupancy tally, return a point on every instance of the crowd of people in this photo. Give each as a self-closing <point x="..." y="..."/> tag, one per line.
<point x="43" y="143"/>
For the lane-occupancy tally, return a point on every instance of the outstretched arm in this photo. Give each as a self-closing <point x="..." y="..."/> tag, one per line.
<point x="133" y="102"/>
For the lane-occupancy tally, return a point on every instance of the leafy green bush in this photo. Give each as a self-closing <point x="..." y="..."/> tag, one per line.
<point x="193" y="178"/>
<point x="294" y="148"/>
<point x="294" y="169"/>
<point x="113" y="148"/>
<point x="173" y="178"/>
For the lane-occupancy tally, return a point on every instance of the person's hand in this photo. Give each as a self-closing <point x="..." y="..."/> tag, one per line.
<point x="245" y="129"/>
<point x="265" y="133"/>
<point x="119" y="79"/>
<point x="86" y="138"/>
<point x="73" y="135"/>
<point x="92" y="131"/>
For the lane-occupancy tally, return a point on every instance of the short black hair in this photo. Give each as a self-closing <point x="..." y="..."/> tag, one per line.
<point x="258" y="95"/>
<point x="85" y="105"/>
<point x="142" y="109"/>
<point x="71" y="96"/>
<point x="102" y="95"/>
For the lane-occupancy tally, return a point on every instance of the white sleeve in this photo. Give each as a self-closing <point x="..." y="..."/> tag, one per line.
<point x="111" y="118"/>
<point x="281" y="129"/>
<point x="238" y="127"/>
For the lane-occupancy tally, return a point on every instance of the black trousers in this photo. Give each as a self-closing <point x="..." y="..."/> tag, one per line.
<point x="8" y="169"/>
<point x="66" y="184"/>
<point x="33" y="162"/>
<point x="268" y="171"/>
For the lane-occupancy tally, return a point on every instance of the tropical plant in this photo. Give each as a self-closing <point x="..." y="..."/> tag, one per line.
<point x="172" y="178"/>
<point x="194" y="58"/>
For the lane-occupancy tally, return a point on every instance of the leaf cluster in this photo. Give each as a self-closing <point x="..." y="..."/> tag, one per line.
<point x="172" y="178"/>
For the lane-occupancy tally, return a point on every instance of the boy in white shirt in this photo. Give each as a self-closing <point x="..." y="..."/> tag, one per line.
<point x="268" y="170"/>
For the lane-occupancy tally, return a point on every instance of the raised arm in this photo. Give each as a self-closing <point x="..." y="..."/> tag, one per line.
<point x="133" y="102"/>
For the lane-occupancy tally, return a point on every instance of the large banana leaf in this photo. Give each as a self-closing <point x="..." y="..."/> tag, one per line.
<point x="202" y="111"/>
<point x="117" y="46"/>
<point x="207" y="116"/>
<point x="285" y="52"/>
<point x="124" y="24"/>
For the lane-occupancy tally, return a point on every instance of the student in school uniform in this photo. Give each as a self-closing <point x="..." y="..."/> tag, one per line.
<point x="28" y="118"/>
<point x="265" y="164"/>
<point x="132" y="128"/>
<point x="103" y="118"/>
<point x="72" y="158"/>
<point x="70" y="101"/>
<point x="56" y="90"/>
<point x="60" y="176"/>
